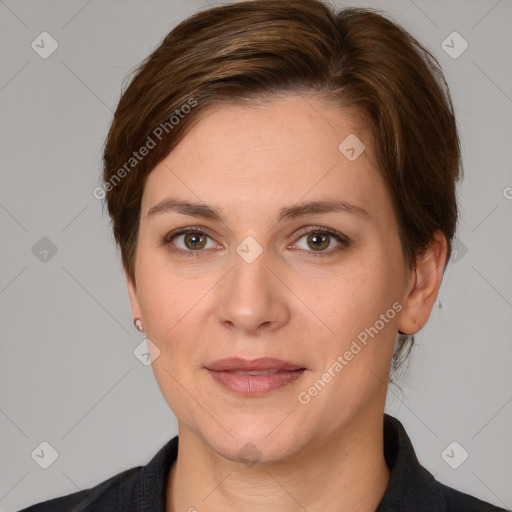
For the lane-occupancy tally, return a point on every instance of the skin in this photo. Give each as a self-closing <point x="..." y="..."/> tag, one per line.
<point x="326" y="455"/>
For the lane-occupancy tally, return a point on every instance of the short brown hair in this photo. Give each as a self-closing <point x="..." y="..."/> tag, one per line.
<point x="252" y="50"/>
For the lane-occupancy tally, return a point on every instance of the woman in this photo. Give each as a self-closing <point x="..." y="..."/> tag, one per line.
<point x="284" y="226"/>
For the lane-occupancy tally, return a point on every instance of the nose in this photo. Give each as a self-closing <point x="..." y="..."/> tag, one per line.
<point x="252" y="298"/>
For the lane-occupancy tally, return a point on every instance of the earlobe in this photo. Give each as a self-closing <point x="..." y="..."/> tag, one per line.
<point x="427" y="281"/>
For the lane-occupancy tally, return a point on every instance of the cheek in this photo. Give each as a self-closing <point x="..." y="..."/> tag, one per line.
<point x="354" y="297"/>
<point x="165" y="298"/>
<point x="173" y="309"/>
<point x="172" y="313"/>
<point x="362" y="310"/>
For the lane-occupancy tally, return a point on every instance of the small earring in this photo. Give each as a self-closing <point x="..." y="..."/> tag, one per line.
<point x="138" y="324"/>
<point x="417" y="323"/>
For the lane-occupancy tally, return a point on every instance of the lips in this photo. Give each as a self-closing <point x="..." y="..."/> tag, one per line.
<point x="254" y="377"/>
<point x="232" y="364"/>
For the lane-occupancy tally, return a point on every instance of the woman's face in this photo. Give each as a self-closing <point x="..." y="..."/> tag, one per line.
<point x="268" y="278"/>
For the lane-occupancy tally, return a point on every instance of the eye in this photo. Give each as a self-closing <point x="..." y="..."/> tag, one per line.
<point x="189" y="240"/>
<point x="317" y="240"/>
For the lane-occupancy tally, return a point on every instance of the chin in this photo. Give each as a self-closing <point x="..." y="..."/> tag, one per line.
<point x="255" y="441"/>
<point x="251" y="452"/>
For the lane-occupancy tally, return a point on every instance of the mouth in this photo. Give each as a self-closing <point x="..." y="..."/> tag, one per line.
<point x="254" y="377"/>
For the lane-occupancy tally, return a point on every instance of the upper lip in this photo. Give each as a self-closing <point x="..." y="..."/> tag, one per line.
<point x="263" y="363"/>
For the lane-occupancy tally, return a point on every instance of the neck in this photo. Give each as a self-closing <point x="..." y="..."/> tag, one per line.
<point x="343" y="472"/>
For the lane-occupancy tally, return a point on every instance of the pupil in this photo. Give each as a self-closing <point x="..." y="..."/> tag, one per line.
<point x="319" y="241"/>
<point x="194" y="240"/>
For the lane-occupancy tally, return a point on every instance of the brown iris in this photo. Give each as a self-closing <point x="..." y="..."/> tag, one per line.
<point x="196" y="240"/>
<point x="319" y="240"/>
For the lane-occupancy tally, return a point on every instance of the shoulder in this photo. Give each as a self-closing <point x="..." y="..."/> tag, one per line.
<point x="457" y="501"/>
<point x="137" y="488"/>
<point x="412" y="486"/>
<point x="106" y="495"/>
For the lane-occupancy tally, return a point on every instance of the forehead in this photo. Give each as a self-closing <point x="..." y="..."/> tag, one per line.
<point x="269" y="154"/>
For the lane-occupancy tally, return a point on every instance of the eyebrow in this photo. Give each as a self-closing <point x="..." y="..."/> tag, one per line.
<point x="202" y="210"/>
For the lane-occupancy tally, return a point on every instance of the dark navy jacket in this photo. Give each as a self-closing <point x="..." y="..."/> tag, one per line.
<point x="142" y="489"/>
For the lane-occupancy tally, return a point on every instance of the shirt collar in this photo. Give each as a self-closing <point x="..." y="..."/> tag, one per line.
<point x="410" y="484"/>
<point x="148" y="492"/>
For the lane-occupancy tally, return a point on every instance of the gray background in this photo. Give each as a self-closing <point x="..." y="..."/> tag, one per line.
<point x="68" y="373"/>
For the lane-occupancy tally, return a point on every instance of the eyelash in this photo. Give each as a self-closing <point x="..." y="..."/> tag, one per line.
<point x="317" y="230"/>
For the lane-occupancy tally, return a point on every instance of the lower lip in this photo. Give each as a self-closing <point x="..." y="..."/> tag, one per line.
<point x="255" y="385"/>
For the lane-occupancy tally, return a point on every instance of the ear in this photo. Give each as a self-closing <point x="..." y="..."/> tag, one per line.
<point x="132" y="294"/>
<point x="427" y="280"/>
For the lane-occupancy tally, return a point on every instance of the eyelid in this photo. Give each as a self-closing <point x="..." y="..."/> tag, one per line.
<point x="321" y="229"/>
<point x="185" y="230"/>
